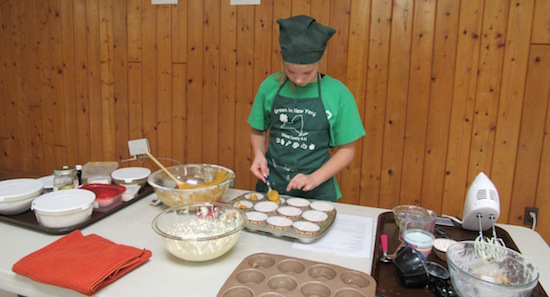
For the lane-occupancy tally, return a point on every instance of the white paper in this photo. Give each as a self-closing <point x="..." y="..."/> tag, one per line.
<point x="245" y="2"/>
<point x="349" y="235"/>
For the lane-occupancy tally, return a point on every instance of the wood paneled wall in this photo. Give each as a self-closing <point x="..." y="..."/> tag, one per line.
<point x="446" y="89"/>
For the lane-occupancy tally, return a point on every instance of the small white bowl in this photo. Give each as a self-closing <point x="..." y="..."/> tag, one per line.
<point x="66" y="208"/>
<point x="16" y="195"/>
<point x="131" y="176"/>
<point x="440" y="247"/>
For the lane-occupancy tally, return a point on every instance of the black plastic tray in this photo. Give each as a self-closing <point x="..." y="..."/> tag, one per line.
<point x="388" y="284"/>
<point x="28" y="219"/>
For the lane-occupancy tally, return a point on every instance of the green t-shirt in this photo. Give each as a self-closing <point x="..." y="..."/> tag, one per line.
<point x="341" y="109"/>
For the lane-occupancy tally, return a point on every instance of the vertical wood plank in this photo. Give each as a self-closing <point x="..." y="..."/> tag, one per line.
<point x="134" y="21"/>
<point x="120" y="80"/>
<point x="94" y="80"/>
<point x="263" y="26"/>
<point x="57" y="83"/>
<point x="106" y="40"/>
<point x="68" y="58"/>
<point x="30" y="54"/>
<point x="469" y="30"/>
<point x="543" y="186"/>
<point x="375" y="102"/>
<point x="81" y="82"/>
<point x="356" y="77"/>
<point x="149" y="74"/>
<point x="195" y="55"/>
<point x="339" y="20"/>
<point x="245" y="94"/>
<point x="418" y="103"/>
<point x="488" y="87"/>
<point x="135" y="107"/>
<point x="320" y="11"/>
<point x="46" y="98"/>
<point x="281" y="10"/>
<point x="444" y="59"/>
<point x="228" y="81"/>
<point x="179" y="110"/>
<point x="164" y="80"/>
<point x="3" y="75"/>
<point x="211" y="80"/>
<point x="541" y="22"/>
<point x="21" y="127"/>
<point x="10" y="66"/>
<point x="509" y="111"/>
<point x="394" y="125"/>
<point x="532" y="131"/>
<point x="300" y="7"/>
<point x="179" y="32"/>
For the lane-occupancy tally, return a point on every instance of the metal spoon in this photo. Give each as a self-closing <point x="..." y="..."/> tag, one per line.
<point x="272" y="195"/>
<point x="385" y="258"/>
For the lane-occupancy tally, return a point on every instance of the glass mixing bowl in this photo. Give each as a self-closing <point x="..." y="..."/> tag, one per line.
<point x="486" y="269"/>
<point x="217" y="178"/>
<point x="199" y="231"/>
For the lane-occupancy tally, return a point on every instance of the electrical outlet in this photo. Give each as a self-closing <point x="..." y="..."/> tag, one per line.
<point x="527" y="219"/>
<point x="135" y="146"/>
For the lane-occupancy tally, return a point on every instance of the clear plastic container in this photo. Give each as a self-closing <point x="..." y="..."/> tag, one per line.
<point x="98" y="172"/>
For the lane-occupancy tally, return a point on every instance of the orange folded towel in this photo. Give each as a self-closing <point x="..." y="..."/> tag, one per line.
<point x="83" y="263"/>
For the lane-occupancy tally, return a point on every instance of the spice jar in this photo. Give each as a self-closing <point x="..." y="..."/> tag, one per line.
<point x="65" y="177"/>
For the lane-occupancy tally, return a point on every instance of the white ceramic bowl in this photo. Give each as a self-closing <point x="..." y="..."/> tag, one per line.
<point x="16" y="195"/>
<point x="65" y="208"/>
<point x="201" y="231"/>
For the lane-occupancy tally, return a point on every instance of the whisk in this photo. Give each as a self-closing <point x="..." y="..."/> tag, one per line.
<point x="488" y="250"/>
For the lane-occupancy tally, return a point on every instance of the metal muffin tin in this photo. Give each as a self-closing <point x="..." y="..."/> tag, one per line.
<point x="270" y="275"/>
<point x="290" y="233"/>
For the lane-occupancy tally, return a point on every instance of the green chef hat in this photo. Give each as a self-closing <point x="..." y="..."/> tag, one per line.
<point x="303" y="40"/>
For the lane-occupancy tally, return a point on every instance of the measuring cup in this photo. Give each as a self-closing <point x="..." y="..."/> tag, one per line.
<point x="416" y="230"/>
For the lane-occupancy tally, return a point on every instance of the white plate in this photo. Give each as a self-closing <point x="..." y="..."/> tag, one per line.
<point x="64" y="200"/>
<point x="130" y="174"/>
<point x="13" y="189"/>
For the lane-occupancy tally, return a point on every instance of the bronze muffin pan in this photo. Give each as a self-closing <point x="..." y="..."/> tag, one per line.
<point x="287" y="232"/>
<point x="270" y="275"/>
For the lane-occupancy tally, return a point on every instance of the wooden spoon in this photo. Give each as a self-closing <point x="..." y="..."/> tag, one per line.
<point x="181" y="185"/>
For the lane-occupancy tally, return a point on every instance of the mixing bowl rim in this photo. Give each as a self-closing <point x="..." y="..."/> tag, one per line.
<point x="198" y="189"/>
<point x="453" y="265"/>
<point x="432" y="214"/>
<point x="206" y="238"/>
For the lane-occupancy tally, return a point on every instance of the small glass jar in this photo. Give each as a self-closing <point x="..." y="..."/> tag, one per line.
<point x="65" y="177"/>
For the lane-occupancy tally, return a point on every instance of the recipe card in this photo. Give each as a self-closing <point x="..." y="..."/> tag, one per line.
<point x="349" y="235"/>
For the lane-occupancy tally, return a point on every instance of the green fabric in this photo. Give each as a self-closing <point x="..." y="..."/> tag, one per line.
<point x="345" y="122"/>
<point x="302" y="39"/>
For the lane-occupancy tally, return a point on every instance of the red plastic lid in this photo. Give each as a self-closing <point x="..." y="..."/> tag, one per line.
<point x="105" y="191"/>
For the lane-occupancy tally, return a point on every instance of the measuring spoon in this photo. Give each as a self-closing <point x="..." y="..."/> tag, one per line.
<point x="384" y="241"/>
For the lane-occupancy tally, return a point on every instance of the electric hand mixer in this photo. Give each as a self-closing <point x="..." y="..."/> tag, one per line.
<point x="482" y="208"/>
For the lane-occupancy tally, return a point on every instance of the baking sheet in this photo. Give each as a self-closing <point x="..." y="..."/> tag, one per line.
<point x="266" y="274"/>
<point x="289" y="233"/>
<point x="28" y="219"/>
<point x="388" y="283"/>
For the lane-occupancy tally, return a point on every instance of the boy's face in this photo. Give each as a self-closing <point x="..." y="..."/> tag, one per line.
<point x="301" y="75"/>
